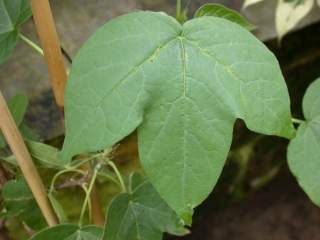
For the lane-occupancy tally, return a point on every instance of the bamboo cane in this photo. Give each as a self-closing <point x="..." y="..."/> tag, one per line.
<point x="51" y="47"/>
<point x="19" y="149"/>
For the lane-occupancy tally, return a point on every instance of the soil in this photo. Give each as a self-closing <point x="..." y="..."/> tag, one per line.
<point x="279" y="211"/>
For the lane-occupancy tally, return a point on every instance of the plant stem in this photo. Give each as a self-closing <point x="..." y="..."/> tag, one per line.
<point x="31" y="43"/>
<point x="178" y="9"/>
<point x="297" y="121"/>
<point x="55" y="177"/>
<point x="88" y="193"/>
<point x="24" y="160"/>
<point x="115" y="169"/>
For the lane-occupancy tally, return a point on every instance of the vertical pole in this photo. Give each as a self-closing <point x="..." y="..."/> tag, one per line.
<point x="51" y="46"/>
<point x="19" y="149"/>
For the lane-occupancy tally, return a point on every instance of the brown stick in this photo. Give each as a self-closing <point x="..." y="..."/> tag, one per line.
<point x="97" y="216"/>
<point x="19" y="149"/>
<point x="51" y="46"/>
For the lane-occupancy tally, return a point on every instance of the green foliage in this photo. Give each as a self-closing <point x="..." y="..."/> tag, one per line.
<point x="304" y="149"/>
<point x="218" y="10"/>
<point x="69" y="232"/>
<point x="12" y="14"/>
<point x="141" y="215"/>
<point x="182" y="87"/>
<point x="19" y="202"/>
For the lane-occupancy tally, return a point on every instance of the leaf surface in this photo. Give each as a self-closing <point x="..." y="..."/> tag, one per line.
<point x="69" y="232"/>
<point x="12" y="14"/>
<point x="183" y="87"/>
<point x="141" y="215"/>
<point x="218" y="10"/>
<point x="19" y="202"/>
<point x="304" y="149"/>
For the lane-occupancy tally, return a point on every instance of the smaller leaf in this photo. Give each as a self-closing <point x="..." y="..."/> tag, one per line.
<point x="289" y="14"/>
<point x="218" y="10"/>
<point x="28" y="133"/>
<point x="8" y="42"/>
<point x="304" y="149"/>
<point x="248" y="3"/>
<point x="19" y="202"/>
<point x="58" y="209"/>
<point x="141" y="214"/>
<point x="17" y="106"/>
<point x="68" y="232"/>
<point x="12" y="14"/>
<point x="43" y="154"/>
<point x="18" y="10"/>
<point x="5" y="21"/>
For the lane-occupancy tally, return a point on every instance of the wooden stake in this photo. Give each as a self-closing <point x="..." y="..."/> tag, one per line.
<point x="51" y="46"/>
<point x="19" y="149"/>
<point x="97" y="216"/>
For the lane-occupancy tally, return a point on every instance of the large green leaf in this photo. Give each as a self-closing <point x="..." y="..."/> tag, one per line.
<point x="304" y="149"/>
<point x="141" y="215"/>
<point x="19" y="202"/>
<point x="17" y="106"/>
<point x="183" y="87"/>
<point x="218" y="10"/>
<point x="12" y="14"/>
<point x="69" y="232"/>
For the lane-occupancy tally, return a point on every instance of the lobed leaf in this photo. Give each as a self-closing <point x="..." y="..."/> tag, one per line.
<point x="182" y="87"/>
<point x="218" y="10"/>
<point x="141" y="215"/>
<point x="304" y="149"/>
<point x="69" y="232"/>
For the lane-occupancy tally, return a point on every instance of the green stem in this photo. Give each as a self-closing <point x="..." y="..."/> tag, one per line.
<point x="297" y="121"/>
<point x="112" y="179"/>
<point x="115" y="169"/>
<point x="178" y="9"/>
<point x="31" y="43"/>
<point x="88" y="193"/>
<point x="76" y="164"/>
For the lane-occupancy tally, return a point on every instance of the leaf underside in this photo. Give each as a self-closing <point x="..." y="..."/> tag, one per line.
<point x="183" y="87"/>
<point x="304" y="149"/>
